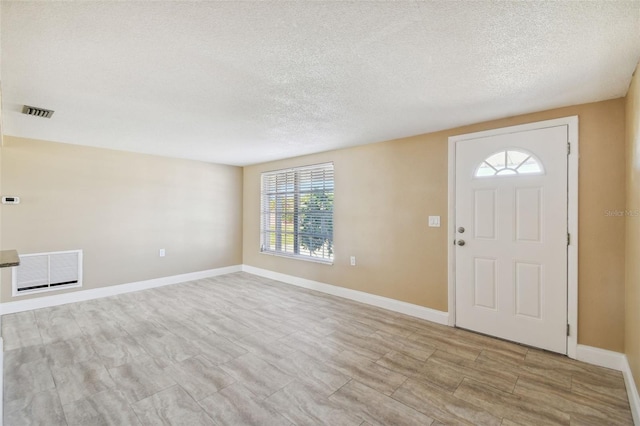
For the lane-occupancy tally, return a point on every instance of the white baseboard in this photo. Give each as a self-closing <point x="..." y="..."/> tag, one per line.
<point x="359" y="296"/>
<point x="615" y="361"/>
<point x="601" y="357"/>
<point x="632" y="392"/>
<point x="96" y="293"/>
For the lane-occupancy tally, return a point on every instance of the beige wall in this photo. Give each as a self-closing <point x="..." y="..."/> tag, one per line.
<point x="120" y="208"/>
<point x="632" y="278"/>
<point x="385" y="192"/>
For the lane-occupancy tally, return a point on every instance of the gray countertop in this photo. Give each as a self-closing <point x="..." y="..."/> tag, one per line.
<point x="9" y="258"/>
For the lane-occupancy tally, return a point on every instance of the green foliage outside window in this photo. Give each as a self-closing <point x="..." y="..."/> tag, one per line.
<point x="316" y="222"/>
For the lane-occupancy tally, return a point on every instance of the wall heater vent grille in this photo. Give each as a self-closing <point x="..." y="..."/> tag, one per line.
<point x="41" y="272"/>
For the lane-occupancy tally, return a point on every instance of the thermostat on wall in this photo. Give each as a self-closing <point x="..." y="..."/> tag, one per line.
<point x="10" y="200"/>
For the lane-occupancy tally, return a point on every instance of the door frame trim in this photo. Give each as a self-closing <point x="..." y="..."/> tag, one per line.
<point x="572" y="219"/>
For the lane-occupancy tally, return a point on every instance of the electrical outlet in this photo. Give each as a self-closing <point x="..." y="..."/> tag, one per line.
<point x="162" y="253"/>
<point x="353" y="261"/>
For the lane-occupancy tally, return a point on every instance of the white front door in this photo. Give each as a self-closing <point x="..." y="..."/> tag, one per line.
<point x="511" y="236"/>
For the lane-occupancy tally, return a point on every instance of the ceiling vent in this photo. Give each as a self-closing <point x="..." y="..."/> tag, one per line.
<point x="38" y="112"/>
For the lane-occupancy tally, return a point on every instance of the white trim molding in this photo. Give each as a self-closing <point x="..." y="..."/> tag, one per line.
<point x="358" y="296"/>
<point x="96" y="293"/>
<point x="572" y="219"/>
<point x="601" y="357"/>
<point x="632" y="392"/>
<point x="615" y="361"/>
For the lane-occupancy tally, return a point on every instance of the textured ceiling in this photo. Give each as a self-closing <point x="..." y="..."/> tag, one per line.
<point x="247" y="82"/>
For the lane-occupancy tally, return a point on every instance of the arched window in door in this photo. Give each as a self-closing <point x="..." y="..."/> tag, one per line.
<point x="509" y="162"/>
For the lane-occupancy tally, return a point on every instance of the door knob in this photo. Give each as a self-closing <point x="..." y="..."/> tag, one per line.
<point x="461" y="242"/>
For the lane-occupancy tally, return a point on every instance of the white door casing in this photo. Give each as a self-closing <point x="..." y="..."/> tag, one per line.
<point x="514" y="273"/>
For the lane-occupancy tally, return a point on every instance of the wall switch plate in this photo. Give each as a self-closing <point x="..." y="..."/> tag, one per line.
<point x="353" y="261"/>
<point x="162" y="253"/>
<point x="434" y="221"/>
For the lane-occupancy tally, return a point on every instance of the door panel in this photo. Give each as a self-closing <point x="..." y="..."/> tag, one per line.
<point x="485" y="214"/>
<point x="528" y="214"/>
<point x="528" y="289"/>
<point x="485" y="283"/>
<point x="511" y="272"/>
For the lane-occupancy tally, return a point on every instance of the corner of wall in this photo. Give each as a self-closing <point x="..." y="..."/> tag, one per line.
<point x="632" y="230"/>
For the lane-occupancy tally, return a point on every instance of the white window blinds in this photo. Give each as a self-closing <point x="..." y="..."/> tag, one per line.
<point x="297" y="212"/>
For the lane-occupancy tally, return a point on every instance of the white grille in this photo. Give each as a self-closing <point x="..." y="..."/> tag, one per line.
<point x="40" y="272"/>
<point x="38" y="112"/>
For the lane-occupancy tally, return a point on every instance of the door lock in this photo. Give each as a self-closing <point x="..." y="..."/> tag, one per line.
<point x="461" y="230"/>
<point x="461" y="242"/>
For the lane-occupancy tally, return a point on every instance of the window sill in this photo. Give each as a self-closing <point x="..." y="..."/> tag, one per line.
<point x="298" y="257"/>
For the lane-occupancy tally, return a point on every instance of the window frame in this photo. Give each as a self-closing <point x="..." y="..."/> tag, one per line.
<point x="287" y="188"/>
<point x="516" y="172"/>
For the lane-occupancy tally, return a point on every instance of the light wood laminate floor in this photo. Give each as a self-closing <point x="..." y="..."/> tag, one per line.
<point x="240" y="349"/>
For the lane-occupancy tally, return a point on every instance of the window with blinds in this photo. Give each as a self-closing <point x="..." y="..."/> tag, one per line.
<point x="297" y="212"/>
